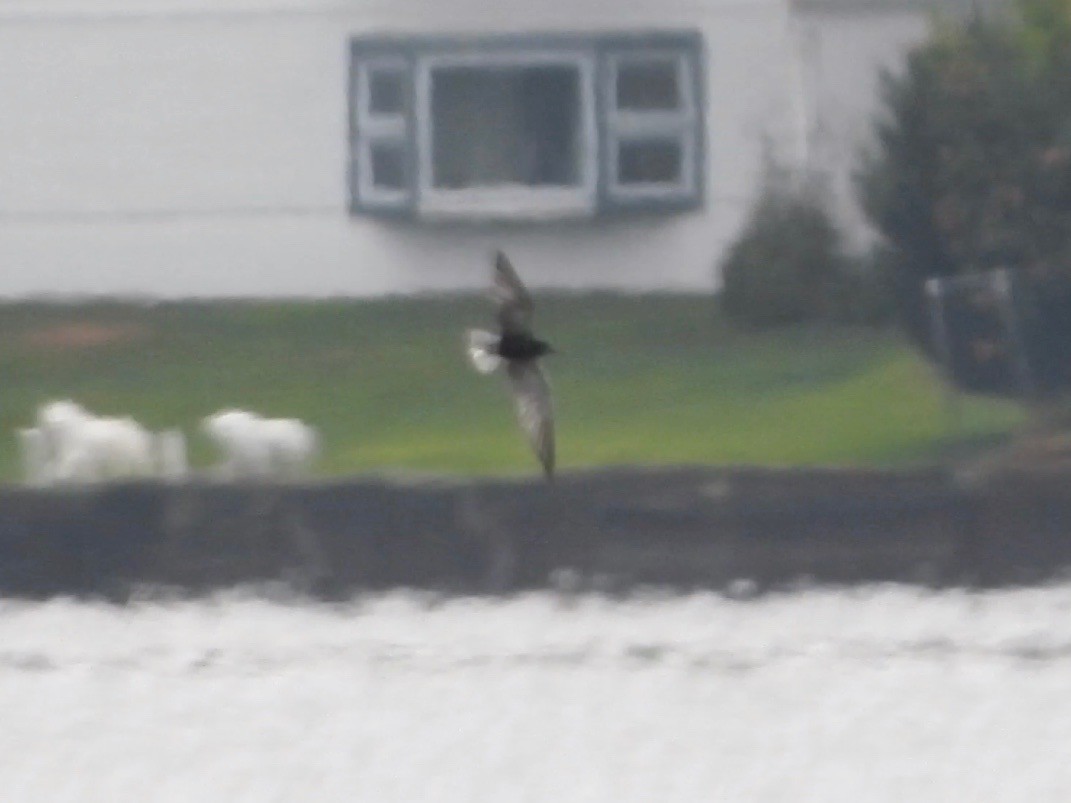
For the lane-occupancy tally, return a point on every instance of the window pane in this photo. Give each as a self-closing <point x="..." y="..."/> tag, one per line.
<point x="649" y="162"/>
<point x="388" y="166"/>
<point x="386" y="92"/>
<point x="497" y="126"/>
<point x="648" y="85"/>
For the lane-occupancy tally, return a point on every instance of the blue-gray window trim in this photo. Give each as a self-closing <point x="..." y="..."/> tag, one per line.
<point x="363" y="134"/>
<point x="683" y="127"/>
<point x="605" y="49"/>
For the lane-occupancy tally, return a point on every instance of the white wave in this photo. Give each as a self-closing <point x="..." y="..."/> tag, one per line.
<point x="883" y="693"/>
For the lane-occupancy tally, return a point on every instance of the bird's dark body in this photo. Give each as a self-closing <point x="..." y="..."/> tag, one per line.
<point x="521" y="346"/>
<point x="520" y="350"/>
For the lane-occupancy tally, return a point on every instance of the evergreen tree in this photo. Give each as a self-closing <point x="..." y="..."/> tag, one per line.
<point x="972" y="167"/>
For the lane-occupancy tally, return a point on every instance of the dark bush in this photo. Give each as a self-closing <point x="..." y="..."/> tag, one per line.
<point x="863" y="292"/>
<point x="789" y="265"/>
<point x="972" y="172"/>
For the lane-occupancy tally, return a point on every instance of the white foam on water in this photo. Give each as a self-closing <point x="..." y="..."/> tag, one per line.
<point x="884" y="693"/>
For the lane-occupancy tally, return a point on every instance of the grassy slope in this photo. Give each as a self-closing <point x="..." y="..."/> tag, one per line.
<point x="649" y="379"/>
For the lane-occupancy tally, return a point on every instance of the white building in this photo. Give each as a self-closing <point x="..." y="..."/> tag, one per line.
<point x="356" y="147"/>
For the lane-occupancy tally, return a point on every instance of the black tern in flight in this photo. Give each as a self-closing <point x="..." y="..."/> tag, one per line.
<point x="519" y="351"/>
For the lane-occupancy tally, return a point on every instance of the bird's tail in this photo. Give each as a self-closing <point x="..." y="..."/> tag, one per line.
<point x="481" y="347"/>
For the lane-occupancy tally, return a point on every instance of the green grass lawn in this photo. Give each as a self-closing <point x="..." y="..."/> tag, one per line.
<point x="640" y="379"/>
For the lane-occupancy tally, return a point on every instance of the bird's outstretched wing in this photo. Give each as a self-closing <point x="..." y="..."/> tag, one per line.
<point x="514" y="301"/>
<point x="535" y="410"/>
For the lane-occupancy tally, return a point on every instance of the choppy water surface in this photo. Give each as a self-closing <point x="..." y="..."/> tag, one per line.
<point x="875" y="694"/>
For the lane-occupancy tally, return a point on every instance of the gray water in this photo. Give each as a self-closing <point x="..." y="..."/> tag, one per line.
<point x="886" y="693"/>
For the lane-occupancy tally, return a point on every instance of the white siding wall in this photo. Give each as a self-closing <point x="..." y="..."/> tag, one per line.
<point x="152" y="148"/>
<point x="842" y="56"/>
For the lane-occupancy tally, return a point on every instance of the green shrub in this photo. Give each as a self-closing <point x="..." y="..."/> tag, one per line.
<point x="971" y="171"/>
<point x="863" y="293"/>
<point x="789" y="265"/>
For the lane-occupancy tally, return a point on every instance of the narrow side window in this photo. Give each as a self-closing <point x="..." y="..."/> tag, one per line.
<point x="652" y="127"/>
<point x="382" y="161"/>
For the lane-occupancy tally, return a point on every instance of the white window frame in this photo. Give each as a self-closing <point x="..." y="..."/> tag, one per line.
<point x="507" y="202"/>
<point x="378" y="128"/>
<point x="603" y="128"/>
<point x="654" y="125"/>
